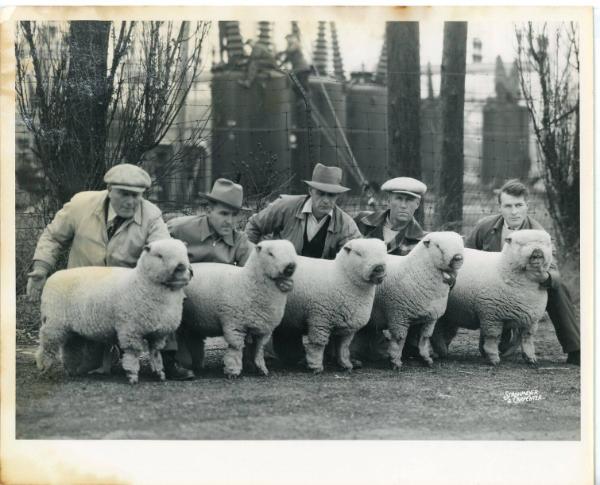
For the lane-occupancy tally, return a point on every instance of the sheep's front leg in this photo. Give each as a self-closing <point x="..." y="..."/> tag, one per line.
<point x="318" y="336"/>
<point x="397" y="335"/>
<point x="528" y="346"/>
<point x="442" y="336"/>
<point x="132" y="346"/>
<point x="259" y="353"/>
<point x="131" y="363"/>
<point x="424" y="342"/>
<point x="343" y="350"/>
<point x="156" y="362"/>
<point x="235" y="348"/>
<point x="490" y="333"/>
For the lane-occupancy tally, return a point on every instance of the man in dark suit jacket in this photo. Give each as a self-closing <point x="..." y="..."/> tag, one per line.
<point x="489" y="235"/>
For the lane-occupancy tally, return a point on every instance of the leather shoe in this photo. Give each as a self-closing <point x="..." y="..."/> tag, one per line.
<point x="173" y="371"/>
<point x="573" y="357"/>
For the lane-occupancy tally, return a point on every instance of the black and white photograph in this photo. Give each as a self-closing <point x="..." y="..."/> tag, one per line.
<point x="298" y="227"/>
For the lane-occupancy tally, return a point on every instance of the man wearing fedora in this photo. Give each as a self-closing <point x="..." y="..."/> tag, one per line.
<point x="314" y="224"/>
<point x="317" y="228"/>
<point x="213" y="237"/>
<point x="103" y="228"/>
<point x="401" y="232"/>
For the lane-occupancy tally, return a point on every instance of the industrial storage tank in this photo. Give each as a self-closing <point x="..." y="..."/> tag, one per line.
<point x="366" y="127"/>
<point x="251" y="124"/>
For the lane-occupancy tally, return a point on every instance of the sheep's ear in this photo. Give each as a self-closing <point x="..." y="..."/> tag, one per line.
<point x="258" y="248"/>
<point x="508" y="240"/>
<point x="147" y="248"/>
<point x="426" y="242"/>
<point x="348" y="249"/>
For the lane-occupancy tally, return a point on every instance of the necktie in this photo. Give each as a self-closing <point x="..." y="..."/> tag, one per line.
<point x="116" y="223"/>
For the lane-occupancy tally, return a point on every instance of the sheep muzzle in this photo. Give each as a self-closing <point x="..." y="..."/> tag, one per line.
<point x="456" y="262"/>
<point x="536" y="259"/>
<point x="378" y="274"/>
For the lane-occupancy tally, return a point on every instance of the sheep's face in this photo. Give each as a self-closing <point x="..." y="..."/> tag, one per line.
<point x="278" y="262"/>
<point x="445" y="250"/>
<point x="166" y="262"/>
<point x="528" y="250"/>
<point x="364" y="260"/>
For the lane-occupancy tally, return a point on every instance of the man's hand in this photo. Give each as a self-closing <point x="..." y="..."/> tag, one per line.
<point x="542" y="277"/>
<point x="36" y="281"/>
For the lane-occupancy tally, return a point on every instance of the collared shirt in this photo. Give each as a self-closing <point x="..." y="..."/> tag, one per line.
<point x="283" y="219"/>
<point x="81" y="225"/>
<point x="205" y="245"/>
<point x="372" y="224"/>
<point x="390" y="234"/>
<point x="312" y="225"/>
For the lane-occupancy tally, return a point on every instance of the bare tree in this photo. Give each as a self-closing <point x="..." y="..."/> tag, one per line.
<point x="452" y="95"/>
<point x="548" y="67"/>
<point x="94" y="94"/>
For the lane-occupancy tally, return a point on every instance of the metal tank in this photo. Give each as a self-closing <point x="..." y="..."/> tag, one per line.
<point x="251" y="125"/>
<point x="366" y="104"/>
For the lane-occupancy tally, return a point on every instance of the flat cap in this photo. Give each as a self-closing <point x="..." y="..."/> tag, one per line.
<point x="405" y="185"/>
<point x="128" y="177"/>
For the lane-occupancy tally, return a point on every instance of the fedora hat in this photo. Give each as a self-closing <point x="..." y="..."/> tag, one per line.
<point x="327" y="179"/>
<point x="226" y="192"/>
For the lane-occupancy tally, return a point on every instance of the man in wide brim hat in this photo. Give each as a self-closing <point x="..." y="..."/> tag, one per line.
<point x="212" y="237"/>
<point x="316" y="227"/>
<point x="314" y="224"/>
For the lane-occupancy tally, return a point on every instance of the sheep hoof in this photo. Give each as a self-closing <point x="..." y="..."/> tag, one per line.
<point x="100" y="370"/>
<point x="161" y="376"/>
<point x="532" y="364"/>
<point x="262" y="370"/>
<point x="232" y="376"/>
<point x="428" y="362"/>
<point x="133" y="379"/>
<point x="494" y="362"/>
<point x="317" y="370"/>
<point x="397" y="366"/>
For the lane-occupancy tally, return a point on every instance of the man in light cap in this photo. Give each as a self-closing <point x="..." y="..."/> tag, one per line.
<point x="103" y="228"/>
<point x="396" y="225"/>
<point x="401" y="232"/>
<point x="316" y="227"/>
<point x="314" y="224"/>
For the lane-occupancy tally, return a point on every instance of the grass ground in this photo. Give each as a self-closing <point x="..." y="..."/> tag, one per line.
<point x="460" y="398"/>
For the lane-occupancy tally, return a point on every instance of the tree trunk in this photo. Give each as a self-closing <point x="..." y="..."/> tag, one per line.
<point x="87" y="103"/>
<point x="404" y="99"/>
<point x="452" y="94"/>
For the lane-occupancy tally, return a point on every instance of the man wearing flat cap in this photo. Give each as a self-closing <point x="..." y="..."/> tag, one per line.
<point x="401" y="232"/>
<point x="103" y="228"/>
<point x="314" y="224"/>
<point x="212" y="237"/>
<point x="396" y="225"/>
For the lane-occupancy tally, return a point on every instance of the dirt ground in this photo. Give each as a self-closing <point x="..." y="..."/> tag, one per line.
<point x="460" y="398"/>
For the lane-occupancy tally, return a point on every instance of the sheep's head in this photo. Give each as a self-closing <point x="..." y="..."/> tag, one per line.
<point x="277" y="260"/>
<point x="528" y="250"/>
<point x="166" y="262"/>
<point x="363" y="260"/>
<point x="445" y="250"/>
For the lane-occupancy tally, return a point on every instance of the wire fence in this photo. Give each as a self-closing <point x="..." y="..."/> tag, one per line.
<point x="259" y="137"/>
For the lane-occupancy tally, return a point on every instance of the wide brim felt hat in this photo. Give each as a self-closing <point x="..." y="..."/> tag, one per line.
<point x="228" y="193"/>
<point x="327" y="179"/>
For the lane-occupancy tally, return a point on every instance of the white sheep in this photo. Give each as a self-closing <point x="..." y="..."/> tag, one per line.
<point x="494" y="290"/>
<point x="331" y="298"/>
<point x="134" y="307"/>
<point x="235" y="301"/>
<point x="415" y="292"/>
